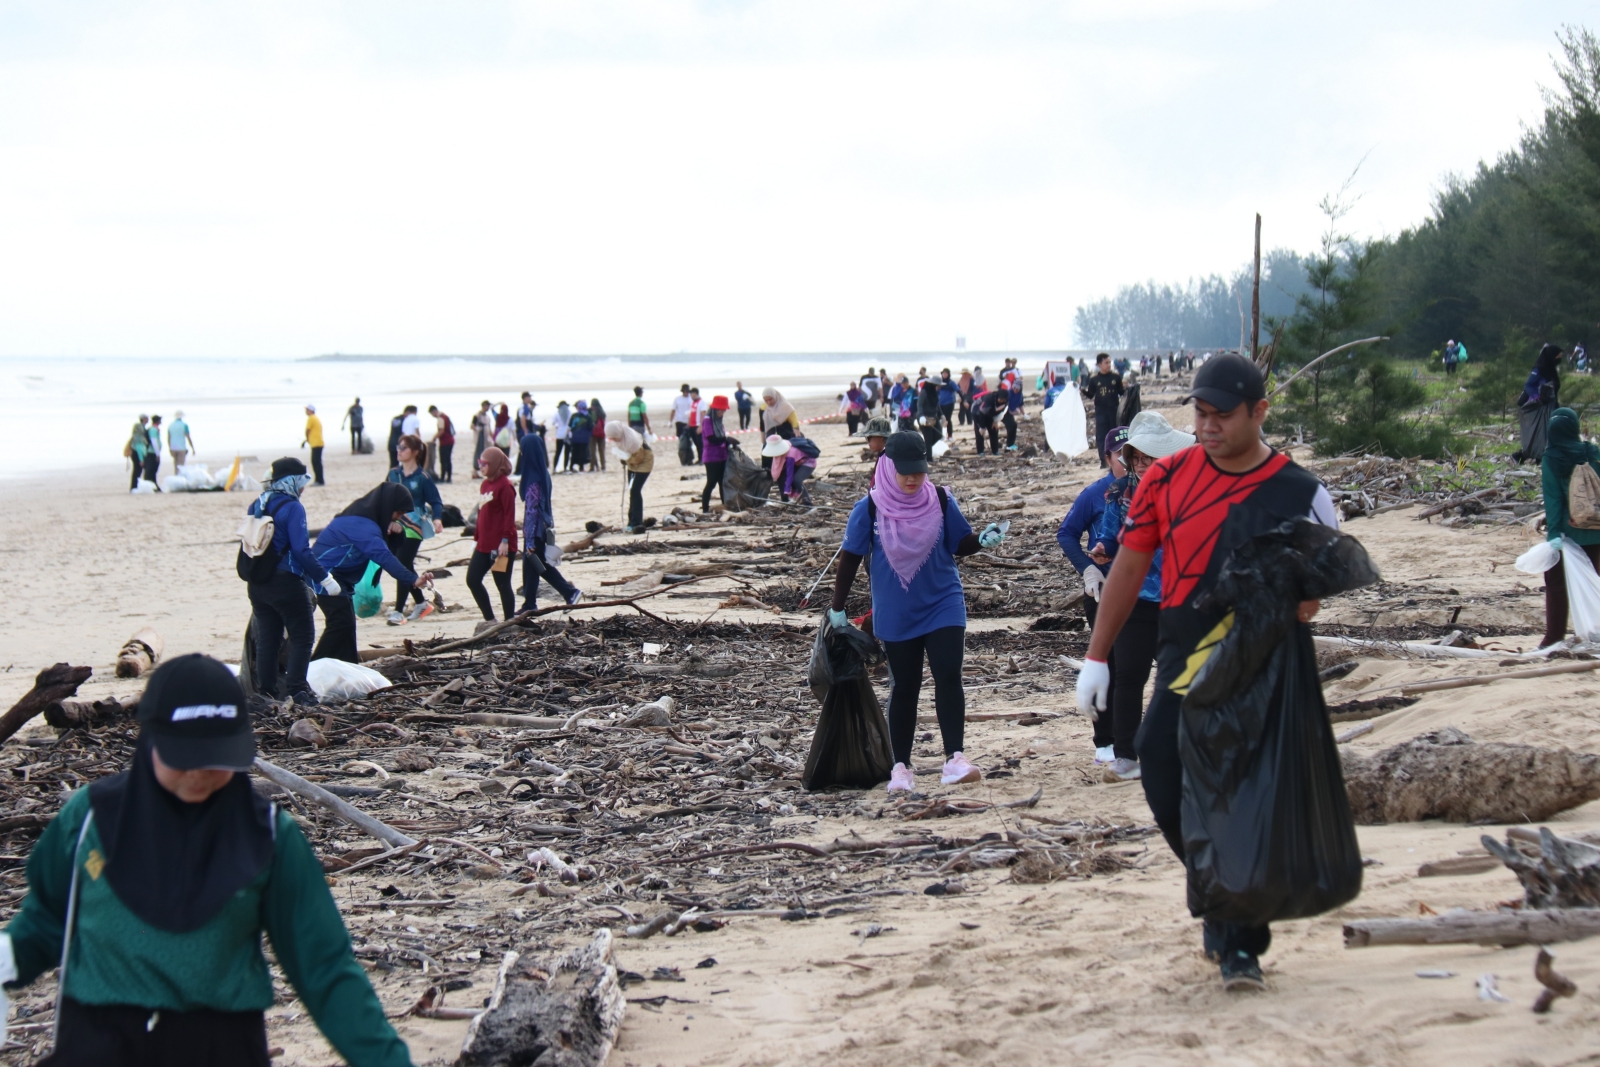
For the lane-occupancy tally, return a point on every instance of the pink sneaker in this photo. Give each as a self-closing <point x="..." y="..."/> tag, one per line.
<point x="958" y="769"/>
<point x="901" y="780"/>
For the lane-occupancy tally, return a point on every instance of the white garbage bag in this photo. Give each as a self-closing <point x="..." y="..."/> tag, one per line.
<point x="1540" y="558"/>
<point x="334" y="679"/>
<point x="1583" y="590"/>
<point x="1065" y="426"/>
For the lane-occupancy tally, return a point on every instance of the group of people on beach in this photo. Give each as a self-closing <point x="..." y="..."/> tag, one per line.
<point x="144" y="448"/>
<point x="933" y="405"/>
<point x="1145" y="539"/>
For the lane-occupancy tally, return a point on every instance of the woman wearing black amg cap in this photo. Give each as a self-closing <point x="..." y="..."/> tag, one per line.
<point x="151" y="889"/>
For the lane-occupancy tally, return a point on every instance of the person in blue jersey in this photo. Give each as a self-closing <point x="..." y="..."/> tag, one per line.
<point x="913" y="533"/>
<point x="357" y="536"/>
<point x="1080" y="523"/>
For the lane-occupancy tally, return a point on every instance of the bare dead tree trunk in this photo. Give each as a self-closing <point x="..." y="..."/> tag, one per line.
<point x="52" y="684"/>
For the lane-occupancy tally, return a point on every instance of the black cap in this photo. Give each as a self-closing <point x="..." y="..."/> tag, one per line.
<point x="282" y="468"/>
<point x="907" y="451"/>
<point x="193" y="708"/>
<point x="1226" y="381"/>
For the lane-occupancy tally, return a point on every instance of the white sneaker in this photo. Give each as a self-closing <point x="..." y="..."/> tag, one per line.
<point x="1104" y="755"/>
<point x="901" y="779"/>
<point x="1126" y="770"/>
<point x="396" y="619"/>
<point x="958" y="769"/>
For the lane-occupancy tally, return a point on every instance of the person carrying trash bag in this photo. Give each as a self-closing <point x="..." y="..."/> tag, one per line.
<point x="151" y="888"/>
<point x="355" y="538"/>
<point x="913" y="534"/>
<point x="1198" y="505"/>
<point x="851" y="744"/>
<point x="1567" y="454"/>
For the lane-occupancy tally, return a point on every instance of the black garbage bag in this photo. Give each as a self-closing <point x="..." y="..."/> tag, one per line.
<point x="1131" y="406"/>
<point x="851" y="744"/>
<point x="1535" y="419"/>
<point x="745" y="483"/>
<point x="1267" y="828"/>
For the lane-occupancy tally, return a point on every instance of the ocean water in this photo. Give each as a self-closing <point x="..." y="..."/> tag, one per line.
<point x="81" y="410"/>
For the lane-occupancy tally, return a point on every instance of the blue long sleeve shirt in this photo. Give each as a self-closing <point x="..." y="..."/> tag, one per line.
<point x="290" y="537"/>
<point x="1108" y="531"/>
<point x="348" y="543"/>
<point x="1085" y="511"/>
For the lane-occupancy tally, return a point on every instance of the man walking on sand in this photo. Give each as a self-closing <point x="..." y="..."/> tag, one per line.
<point x="1197" y="505"/>
<point x="638" y="415"/>
<point x="444" y="439"/>
<point x="745" y="401"/>
<point x="355" y="415"/>
<point x="313" y="438"/>
<point x="179" y="442"/>
<point x="1104" y="390"/>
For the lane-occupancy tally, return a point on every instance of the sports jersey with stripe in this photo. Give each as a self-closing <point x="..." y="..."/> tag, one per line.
<point x="1198" y="513"/>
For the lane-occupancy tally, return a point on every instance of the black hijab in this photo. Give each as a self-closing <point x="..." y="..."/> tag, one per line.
<point x="175" y="864"/>
<point x="381" y="504"/>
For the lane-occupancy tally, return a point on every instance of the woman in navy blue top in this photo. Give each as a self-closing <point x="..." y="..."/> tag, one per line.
<point x="914" y="532"/>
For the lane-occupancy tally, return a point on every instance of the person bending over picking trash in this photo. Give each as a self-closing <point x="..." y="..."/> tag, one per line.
<point x="914" y="532"/>
<point x="1198" y="505"/>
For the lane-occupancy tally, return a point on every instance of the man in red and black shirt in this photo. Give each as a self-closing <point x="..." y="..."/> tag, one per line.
<point x="1198" y="505"/>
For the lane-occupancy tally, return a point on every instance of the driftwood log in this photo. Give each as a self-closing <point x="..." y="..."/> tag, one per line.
<point x="50" y="685"/>
<point x="139" y="653"/>
<point x="1446" y="775"/>
<point x="564" y="1013"/>
<point x="70" y="714"/>
<point x="1477" y="928"/>
<point x="350" y="814"/>
<point x="1557" y="873"/>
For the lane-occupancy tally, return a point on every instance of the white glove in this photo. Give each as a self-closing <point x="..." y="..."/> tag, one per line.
<point x="1094" y="579"/>
<point x="330" y="585"/>
<point x="1094" y="682"/>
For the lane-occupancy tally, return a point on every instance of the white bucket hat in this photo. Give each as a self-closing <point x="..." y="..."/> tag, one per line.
<point x="775" y="447"/>
<point x="1152" y="434"/>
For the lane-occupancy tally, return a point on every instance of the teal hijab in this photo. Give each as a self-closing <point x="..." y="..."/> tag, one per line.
<point x="1564" y="449"/>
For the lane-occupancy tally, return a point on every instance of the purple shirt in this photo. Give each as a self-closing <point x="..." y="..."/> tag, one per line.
<point x="711" y="451"/>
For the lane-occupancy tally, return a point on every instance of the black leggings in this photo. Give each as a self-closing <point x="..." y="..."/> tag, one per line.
<point x="981" y="426"/>
<point x="744" y="418"/>
<point x="338" y="640"/>
<point x="1556" y="607"/>
<point x="281" y="603"/>
<point x="714" y="472"/>
<point x="116" y="1035"/>
<point x="561" y="451"/>
<point x="1010" y="421"/>
<point x="533" y="568"/>
<point x="944" y="649"/>
<point x="1133" y="655"/>
<point x="446" y="467"/>
<point x="481" y="565"/>
<point x="405" y="550"/>
<point x="636" y="498"/>
<point x="1161" y="773"/>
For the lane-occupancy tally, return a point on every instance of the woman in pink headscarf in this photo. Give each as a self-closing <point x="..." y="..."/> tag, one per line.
<point x="914" y="532"/>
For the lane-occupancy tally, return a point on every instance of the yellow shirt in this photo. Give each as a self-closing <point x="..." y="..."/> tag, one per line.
<point x="313" y="431"/>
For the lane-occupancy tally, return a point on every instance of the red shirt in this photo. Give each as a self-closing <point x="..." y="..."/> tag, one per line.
<point x="1198" y="513"/>
<point x="497" y="515"/>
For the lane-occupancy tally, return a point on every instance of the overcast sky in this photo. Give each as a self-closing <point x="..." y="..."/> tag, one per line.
<point x="292" y="177"/>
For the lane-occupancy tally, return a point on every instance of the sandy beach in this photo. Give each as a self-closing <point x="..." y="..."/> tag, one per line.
<point x="1105" y="969"/>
